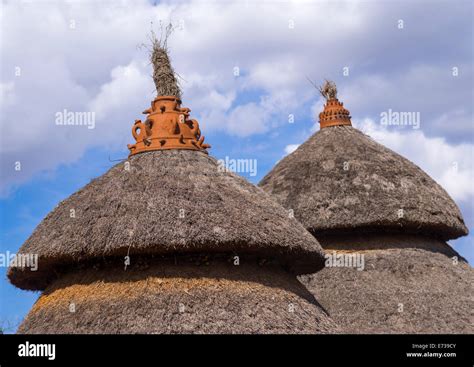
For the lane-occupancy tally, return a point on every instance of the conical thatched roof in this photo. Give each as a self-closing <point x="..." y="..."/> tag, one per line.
<point x="166" y="203"/>
<point x="340" y="180"/>
<point x="409" y="284"/>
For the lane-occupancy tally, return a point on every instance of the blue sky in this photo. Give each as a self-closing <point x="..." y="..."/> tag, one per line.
<point x="86" y="57"/>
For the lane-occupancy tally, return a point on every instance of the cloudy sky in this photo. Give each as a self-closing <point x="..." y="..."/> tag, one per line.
<point x="244" y="67"/>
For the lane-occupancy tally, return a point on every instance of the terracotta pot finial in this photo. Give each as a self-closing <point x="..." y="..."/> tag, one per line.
<point x="167" y="126"/>
<point x="334" y="113"/>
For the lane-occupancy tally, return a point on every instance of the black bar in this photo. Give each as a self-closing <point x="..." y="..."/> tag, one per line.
<point x="315" y="350"/>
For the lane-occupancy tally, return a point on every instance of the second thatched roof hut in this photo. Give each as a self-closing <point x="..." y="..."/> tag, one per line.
<point x="365" y="202"/>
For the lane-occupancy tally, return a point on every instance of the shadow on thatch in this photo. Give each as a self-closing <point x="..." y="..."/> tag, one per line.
<point x="361" y="241"/>
<point x="112" y="270"/>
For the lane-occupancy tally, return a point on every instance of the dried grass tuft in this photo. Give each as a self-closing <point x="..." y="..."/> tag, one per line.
<point x="164" y="76"/>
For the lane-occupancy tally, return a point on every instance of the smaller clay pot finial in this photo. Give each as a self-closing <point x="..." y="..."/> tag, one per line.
<point x="334" y="113"/>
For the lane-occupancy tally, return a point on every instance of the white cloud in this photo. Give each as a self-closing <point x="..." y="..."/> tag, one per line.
<point x="275" y="74"/>
<point x="316" y="108"/>
<point x="7" y="93"/>
<point x="248" y="119"/>
<point x="443" y="100"/>
<point x="291" y="148"/>
<point x="451" y="165"/>
<point x="127" y="82"/>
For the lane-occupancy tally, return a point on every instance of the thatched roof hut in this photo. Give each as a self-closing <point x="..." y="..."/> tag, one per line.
<point x="170" y="242"/>
<point x="358" y="197"/>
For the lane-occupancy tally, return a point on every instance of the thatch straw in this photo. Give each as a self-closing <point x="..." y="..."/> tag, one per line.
<point x="328" y="90"/>
<point x="164" y="76"/>
<point x="341" y="180"/>
<point x="178" y="299"/>
<point x="138" y="211"/>
<point x="409" y="284"/>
